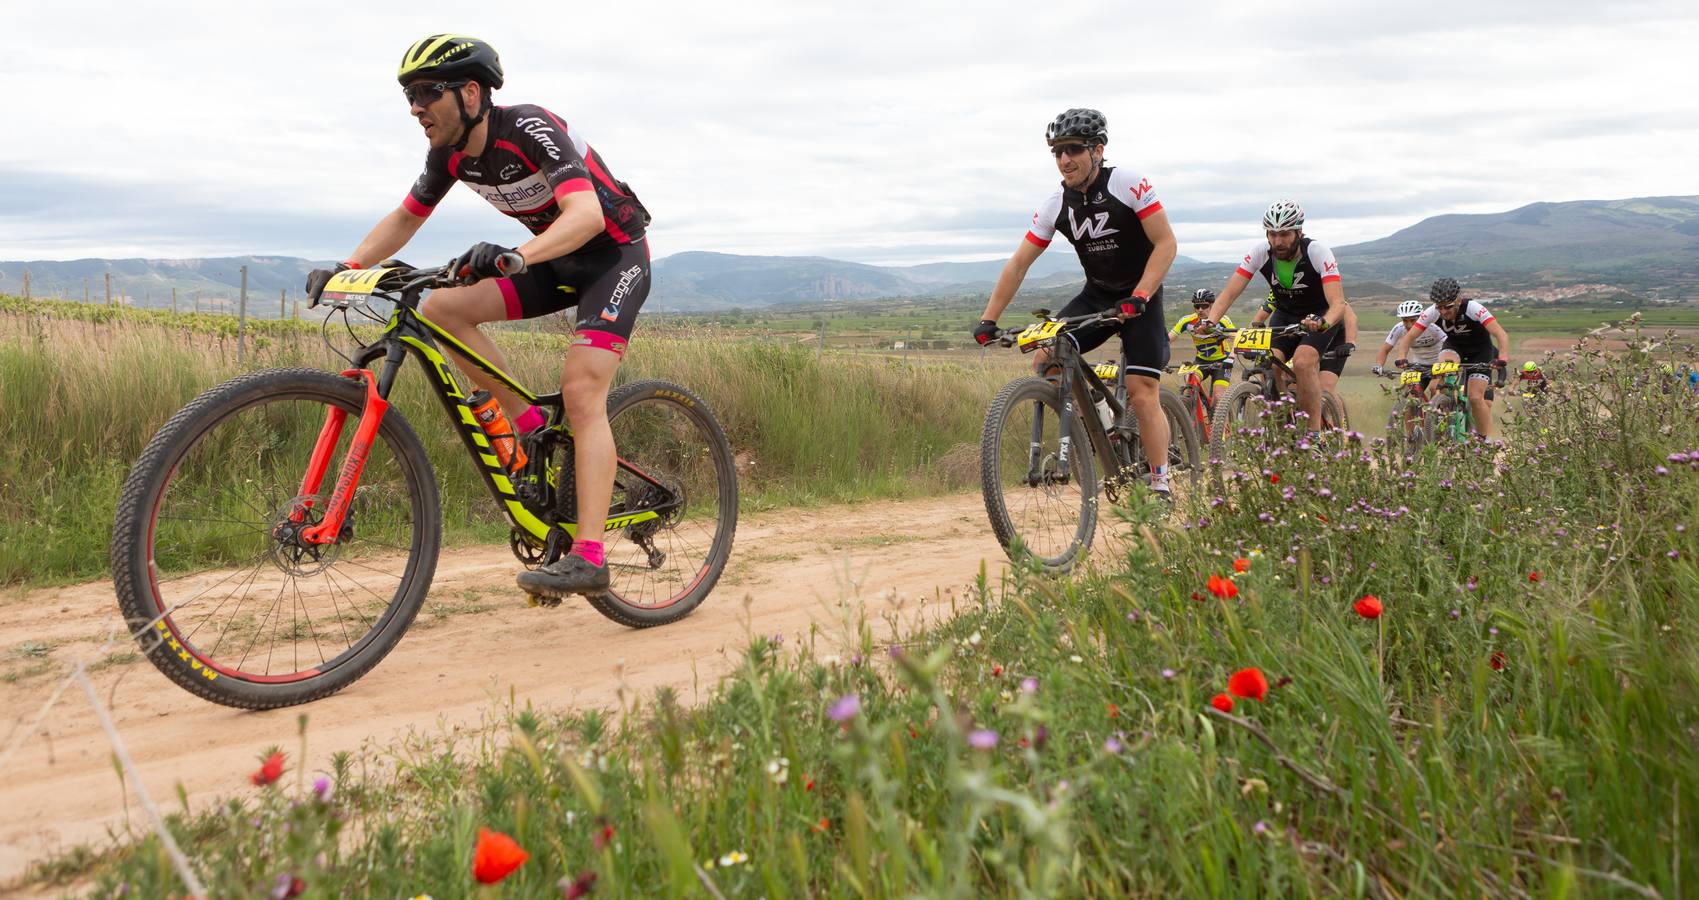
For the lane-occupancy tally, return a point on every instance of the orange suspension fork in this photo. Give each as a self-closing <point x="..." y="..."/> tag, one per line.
<point x="353" y="463"/>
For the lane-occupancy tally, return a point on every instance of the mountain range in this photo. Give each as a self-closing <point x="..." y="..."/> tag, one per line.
<point x="1647" y="246"/>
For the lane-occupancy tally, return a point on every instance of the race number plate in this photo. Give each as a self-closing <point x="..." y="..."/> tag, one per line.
<point x="1254" y="339"/>
<point x="351" y="283"/>
<point x="1037" y="333"/>
<point x="1445" y="368"/>
<point x="1108" y="371"/>
<point x="1409" y="378"/>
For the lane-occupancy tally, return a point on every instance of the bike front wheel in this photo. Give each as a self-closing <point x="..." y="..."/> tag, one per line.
<point x="213" y="572"/>
<point x="675" y="459"/>
<point x="1041" y="507"/>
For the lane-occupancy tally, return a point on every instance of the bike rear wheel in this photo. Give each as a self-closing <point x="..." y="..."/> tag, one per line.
<point x="1037" y="509"/>
<point x="662" y="569"/>
<point x="1242" y="414"/>
<point x="212" y="574"/>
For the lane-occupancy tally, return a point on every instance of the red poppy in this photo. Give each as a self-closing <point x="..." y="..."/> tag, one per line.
<point x="580" y="886"/>
<point x="270" y="770"/>
<point x="823" y="824"/>
<point x="1248" y="683"/>
<point x="1197" y="596"/>
<point x="997" y="671"/>
<point x="1368" y="607"/>
<point x="1497" y="661"/>
<point x="1222" y="702"/>
<point x="1274" y="479"/>
<point x="1114" y="711"/>
<point x="603" y="836"/>
<point x="1323" y="518"/>
<point x="1223" y="587"/>
<point x="1241" y="565"/>
<point x="808" y="782"/>
<point x="496" y="856"/>
<point x="1534" y="577"/>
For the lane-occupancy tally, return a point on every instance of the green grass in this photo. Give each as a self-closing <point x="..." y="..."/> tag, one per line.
<point x="1519" y="722"/>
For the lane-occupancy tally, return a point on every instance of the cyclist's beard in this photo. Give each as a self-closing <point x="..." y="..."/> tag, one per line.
<point x="1291" y="252"/>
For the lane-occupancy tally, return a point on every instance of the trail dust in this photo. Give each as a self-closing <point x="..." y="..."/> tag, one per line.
<point x="476" y="643"/>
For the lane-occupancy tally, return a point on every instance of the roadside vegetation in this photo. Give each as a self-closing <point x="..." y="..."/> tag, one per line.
<point x="1339" y="672"/>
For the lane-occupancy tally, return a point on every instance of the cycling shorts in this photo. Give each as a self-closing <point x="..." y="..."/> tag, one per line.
<point x="1481" y="353"/>
<point x="1144" y="338"/>
<point x="608" y="286"/>
<point x="1322" y="341"/>
<point x="1219" y="371"/>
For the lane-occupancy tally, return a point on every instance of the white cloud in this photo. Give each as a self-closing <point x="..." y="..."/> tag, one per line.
<point x="883" y="132"/>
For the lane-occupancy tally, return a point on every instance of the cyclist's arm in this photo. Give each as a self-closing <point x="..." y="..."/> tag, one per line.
<point x="1235" y="286"/>
<point x="580" y="220"/>
<point x="1500" y="339"/>
<point x="1350" y="321"/>
<point x="387" y="238"/>
<point x="1337" y="308"/>
<point x="1161" y="234"/>
<point x="1402" y="351"/>
<point x="1014" y="272"/>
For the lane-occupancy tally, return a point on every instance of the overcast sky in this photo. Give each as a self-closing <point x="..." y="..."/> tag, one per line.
<point x="879" y="132"/>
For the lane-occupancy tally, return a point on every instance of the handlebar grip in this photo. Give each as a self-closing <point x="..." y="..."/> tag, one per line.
<point x="510" y="263"/>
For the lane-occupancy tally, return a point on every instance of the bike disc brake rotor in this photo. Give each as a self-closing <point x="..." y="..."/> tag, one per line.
<point x="289" y="549"/>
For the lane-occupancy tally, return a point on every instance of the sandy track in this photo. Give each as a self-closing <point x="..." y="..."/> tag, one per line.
<point x="476" y="642"/>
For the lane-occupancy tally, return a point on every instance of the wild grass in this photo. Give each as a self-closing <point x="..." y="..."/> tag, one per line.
<point x="1521" y="719"/>
<point x="83" y="389"/>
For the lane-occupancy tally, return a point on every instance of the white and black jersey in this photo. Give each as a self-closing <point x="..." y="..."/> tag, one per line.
<point x="1314" y="267"/>
<point x="1424" y="347"/>
<point x="1467" y="334"/>
<point x="1105" y="223"/>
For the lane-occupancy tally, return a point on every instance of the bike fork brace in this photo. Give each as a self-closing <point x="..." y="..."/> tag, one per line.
<point x="329" y="530"/>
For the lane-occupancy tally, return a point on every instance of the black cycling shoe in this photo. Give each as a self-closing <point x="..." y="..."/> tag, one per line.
<point x="571" y="574"/>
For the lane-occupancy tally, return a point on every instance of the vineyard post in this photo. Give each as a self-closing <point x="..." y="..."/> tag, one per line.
<point x="108" y="288"/>
<point x="174" y="300"/>
<point x="282" y="303"/>
<point x="26" y="284"/>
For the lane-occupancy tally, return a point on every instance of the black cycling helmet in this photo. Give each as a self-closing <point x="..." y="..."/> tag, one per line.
<point x="451" y="57"/>
<point x="1086" y="125"/>
<point x="1445" y="291"/>
<point x="1202" y="296"/>
<point x="455" y="58"/>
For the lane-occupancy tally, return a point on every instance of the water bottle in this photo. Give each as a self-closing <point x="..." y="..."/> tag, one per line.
<point x="500" y="431"/>
<point x="1105" y="414"/>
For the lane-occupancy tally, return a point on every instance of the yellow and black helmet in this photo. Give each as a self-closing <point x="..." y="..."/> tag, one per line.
<point x="451" y="57"/>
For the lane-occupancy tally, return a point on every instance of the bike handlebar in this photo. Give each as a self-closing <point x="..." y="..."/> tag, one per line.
<point x="1005" y="337"/>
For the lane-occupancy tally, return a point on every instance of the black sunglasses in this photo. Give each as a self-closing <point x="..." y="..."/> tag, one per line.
<point x="425" y="94"/>
<point x="1061" y="150"/>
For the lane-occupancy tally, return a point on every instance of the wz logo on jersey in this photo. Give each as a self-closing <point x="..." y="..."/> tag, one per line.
<point x="1330" y="267"/>
<point x="1095" y="226"/>
<point x="1142" y="189"/>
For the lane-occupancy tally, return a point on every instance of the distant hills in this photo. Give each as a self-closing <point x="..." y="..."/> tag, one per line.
<point x="1648" y="246"/>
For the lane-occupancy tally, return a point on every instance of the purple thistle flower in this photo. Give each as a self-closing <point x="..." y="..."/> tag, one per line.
<point x="982" y="739"/>
<point x="1029" y="685"/>
<point x="1259" y="827"/>
<point x="1168" y="673"/>
<point x="845" y="708"/>
<point x="1455" y="614"/>
<point x="1112" y="746"/>
<point x="321" y="787"/>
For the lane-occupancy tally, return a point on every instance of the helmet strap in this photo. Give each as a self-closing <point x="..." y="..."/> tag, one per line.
<point x="467" y="123"/>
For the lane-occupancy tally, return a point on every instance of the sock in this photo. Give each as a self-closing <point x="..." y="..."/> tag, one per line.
<point x="590" y="550"/>
<point x="1159" y="477"/>
<point x="530" y="420"/>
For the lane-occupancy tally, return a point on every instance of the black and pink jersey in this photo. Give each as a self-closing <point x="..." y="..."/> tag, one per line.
<point x="1295" y="288"/>
<point x="1468" y="332"/>
<point x="1105" y="224"/>
<point x="530" y="165"/>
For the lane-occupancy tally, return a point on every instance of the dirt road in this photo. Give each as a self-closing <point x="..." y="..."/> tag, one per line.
<point x="475" y="642"/>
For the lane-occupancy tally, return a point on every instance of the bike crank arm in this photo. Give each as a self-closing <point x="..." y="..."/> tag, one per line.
<point x="329" y="530"/>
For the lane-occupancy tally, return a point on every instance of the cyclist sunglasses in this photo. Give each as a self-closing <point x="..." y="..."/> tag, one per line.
<point x="1061" y="150"/>
<point x="423" y="94"/>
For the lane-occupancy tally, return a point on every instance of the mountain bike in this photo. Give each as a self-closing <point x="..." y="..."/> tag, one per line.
<point x="1264" y="399"/>
<point x="1046" y="437"/>
<point x="1447" y="415"/>
<point x="1197" y="395"/>
<point x="1409" y="424"/>
<point x="255" y="577"/>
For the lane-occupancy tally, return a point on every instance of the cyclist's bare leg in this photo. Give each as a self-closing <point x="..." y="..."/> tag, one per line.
<point x="584" y="382"/>
<point x="459" y="311"/>
<point x="1480" y="410"/>
<point x="1146" y="404"/>
<point x="1306" y="364"/>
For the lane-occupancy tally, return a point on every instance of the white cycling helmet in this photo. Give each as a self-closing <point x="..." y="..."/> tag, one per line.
<point x="1283" y="215"/>
<point x="1409" y="308"/>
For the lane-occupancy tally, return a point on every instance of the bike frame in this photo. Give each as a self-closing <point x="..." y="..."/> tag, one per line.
<point x="408" y="332"/>
<point x="1075" y="380"/>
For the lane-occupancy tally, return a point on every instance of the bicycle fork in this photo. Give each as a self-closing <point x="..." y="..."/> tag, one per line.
<point x="1035" y="474"/>
<point x="329" y="530"/>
